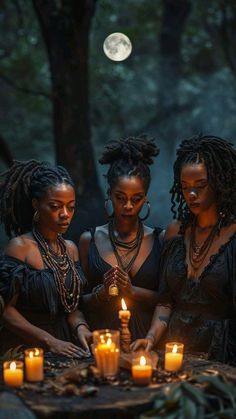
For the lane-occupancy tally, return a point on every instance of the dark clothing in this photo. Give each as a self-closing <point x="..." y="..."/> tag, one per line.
<point x="203" y="316"/>
<point x="38" y="300"/>
<point x="106" y="316"/>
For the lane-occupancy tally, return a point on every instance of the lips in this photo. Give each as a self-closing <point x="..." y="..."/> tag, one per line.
<point x="64" y="225"/>
<point x="194" y="205"/>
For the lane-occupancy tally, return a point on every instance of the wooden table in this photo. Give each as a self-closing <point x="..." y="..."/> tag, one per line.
<point x="116" y="400"/>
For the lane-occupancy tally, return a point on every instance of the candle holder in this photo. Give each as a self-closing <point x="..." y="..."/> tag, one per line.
<point x="125" y="335"/>
<point x="107" y="351"/>
<point x="13" y="373"/>
<point x="141" y="368"/>
<point x="173" y="356"/>
<point x="34" y="364"/>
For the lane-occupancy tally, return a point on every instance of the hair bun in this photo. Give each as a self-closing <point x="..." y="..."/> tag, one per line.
<point x="135" y="149"/>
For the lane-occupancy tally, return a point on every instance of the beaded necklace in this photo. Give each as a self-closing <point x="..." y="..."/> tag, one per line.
<point x="198" y="253"/>
<point x="60" y="264"/>
<point x="133" y="245"/>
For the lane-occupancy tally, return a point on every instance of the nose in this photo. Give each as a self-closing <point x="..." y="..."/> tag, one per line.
<point x="128" y="204"/>
<point x="193" y="194"/>
<point x="64" y="213"/>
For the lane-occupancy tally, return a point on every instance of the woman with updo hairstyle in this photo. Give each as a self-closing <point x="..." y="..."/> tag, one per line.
<point x="121" y="258"/>
<point x="40" y="274"/>
<point x="197" y="298"/>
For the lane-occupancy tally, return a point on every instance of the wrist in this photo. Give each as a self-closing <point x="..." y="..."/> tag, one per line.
<point x="100" y="294"/>
<point x="150" y="336"/>
<point x="81" y="324"/>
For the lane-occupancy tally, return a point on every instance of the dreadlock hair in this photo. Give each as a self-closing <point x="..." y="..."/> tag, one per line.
<point x="19" y="185"/>
<point x="219" y="157"/>
<point x="130" y="157"/>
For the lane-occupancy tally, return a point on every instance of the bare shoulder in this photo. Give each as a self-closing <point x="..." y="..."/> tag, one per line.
<point x="19" y="247"/>
<point x="172" y="230"/>
<point x="73" y="250"/>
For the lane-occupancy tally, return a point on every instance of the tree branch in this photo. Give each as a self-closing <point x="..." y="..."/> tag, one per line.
<point x="24" y="89"/>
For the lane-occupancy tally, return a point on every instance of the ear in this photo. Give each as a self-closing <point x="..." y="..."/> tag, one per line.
<point x="35" y="203"/>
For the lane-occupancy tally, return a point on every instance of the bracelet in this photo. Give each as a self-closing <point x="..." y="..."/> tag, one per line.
<point x="82" y="323"/>
<point x="95" y="292"/>
<point x="151" y="337"/>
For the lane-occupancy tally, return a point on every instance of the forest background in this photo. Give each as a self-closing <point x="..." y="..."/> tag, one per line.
<point x="62" y="99"/>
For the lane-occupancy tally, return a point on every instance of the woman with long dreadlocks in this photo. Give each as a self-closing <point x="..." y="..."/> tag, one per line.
<point x="198" y="291"/>
<point x="124" y="252"/>
<point x="39" y="268"/>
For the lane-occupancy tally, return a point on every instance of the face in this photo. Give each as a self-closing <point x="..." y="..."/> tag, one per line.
<point x="196" y="190"/>
<point x="128" y="196"/>
<point x="56" y="208"/>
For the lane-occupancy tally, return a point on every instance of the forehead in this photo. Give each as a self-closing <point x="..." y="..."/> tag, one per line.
<point x="60" y="192"/>
<point x="129" y="184"/>
<point x="193" y="172"/>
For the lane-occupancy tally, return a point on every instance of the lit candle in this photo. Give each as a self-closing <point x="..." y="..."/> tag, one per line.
<point x="34" y="364"/>
<point x="142" y="372"/>
<point x="13" y="373"/>
<point x="173" y="356"/>
<point x="106" y="351"/>
<point x="124" y="314"/>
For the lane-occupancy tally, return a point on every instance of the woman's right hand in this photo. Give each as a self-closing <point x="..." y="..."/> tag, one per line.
<point x="108" y="279"/>
<point x="146" y="344"/>
<point x="85" y="338"/>
<point x="62" y="347"/>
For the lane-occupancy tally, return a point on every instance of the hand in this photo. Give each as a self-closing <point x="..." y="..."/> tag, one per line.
<point x="122" y="280"/>
<point x="84" y="336"/>
<point x="62" y="347"/>
<point x="146" y="344"/>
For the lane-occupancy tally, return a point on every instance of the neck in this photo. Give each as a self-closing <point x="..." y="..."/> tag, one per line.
<point x="50" y="236"/>
<point x="207" y="220"/>
<point x="126" y="228"/>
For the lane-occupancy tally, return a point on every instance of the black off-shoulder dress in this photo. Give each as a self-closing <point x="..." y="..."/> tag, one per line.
<point x="38" y="300"/>
<point x="105" y="315"/>
<point x="204" y="309"/>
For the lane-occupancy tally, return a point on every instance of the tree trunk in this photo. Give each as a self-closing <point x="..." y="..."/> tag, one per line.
<point x="65" y="28"/>
<point x="175" y="14"/>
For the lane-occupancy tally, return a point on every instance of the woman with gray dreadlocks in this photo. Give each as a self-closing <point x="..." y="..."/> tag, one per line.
<point x="39" y="271"/>
<point x="198" y="290"/>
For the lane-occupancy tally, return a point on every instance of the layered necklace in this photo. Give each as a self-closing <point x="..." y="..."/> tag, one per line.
<point x="123" y="250"/>
<point x="198" y="253"/>
<point x="60" y="264"/>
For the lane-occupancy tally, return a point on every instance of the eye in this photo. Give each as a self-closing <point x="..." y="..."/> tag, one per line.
<point x="71" y="209"/>
<point x="137" y="199"/>
<point x="54" y="206"/>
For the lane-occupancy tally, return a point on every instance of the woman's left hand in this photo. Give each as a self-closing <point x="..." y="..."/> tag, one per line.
<point x="123" y="280"/>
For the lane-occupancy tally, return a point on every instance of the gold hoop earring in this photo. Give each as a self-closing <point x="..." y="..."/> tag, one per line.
<point x="148" y="211"/>
<point x="36" y="217"/>
<point x="106" y="203"/>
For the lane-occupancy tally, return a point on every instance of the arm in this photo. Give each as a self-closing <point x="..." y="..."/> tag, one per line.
<point x="172" y="230"/>
<point x="19" y="248"/>
<point x="158" y="326"/>
<point x="15" y="322"/>
<point x="98" y="297"/>
<point x="80" y="329"/>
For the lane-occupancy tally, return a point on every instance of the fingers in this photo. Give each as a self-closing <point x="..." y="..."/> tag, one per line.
<point x="84" y="343"/>
<point x="141" y="344"/>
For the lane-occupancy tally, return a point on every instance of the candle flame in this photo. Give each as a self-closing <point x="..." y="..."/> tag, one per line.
<point x="123" y="305"/>
<point x="36" y="352"/>
<point x="142" y="361"/>
<point x="31" y="354"/>
<point x="175" y="349"/>
<point x="109" y="341"/>
<point x="12" y="366"/>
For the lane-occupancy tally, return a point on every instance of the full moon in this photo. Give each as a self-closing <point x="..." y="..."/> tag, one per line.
<point x="117" y="46"/>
